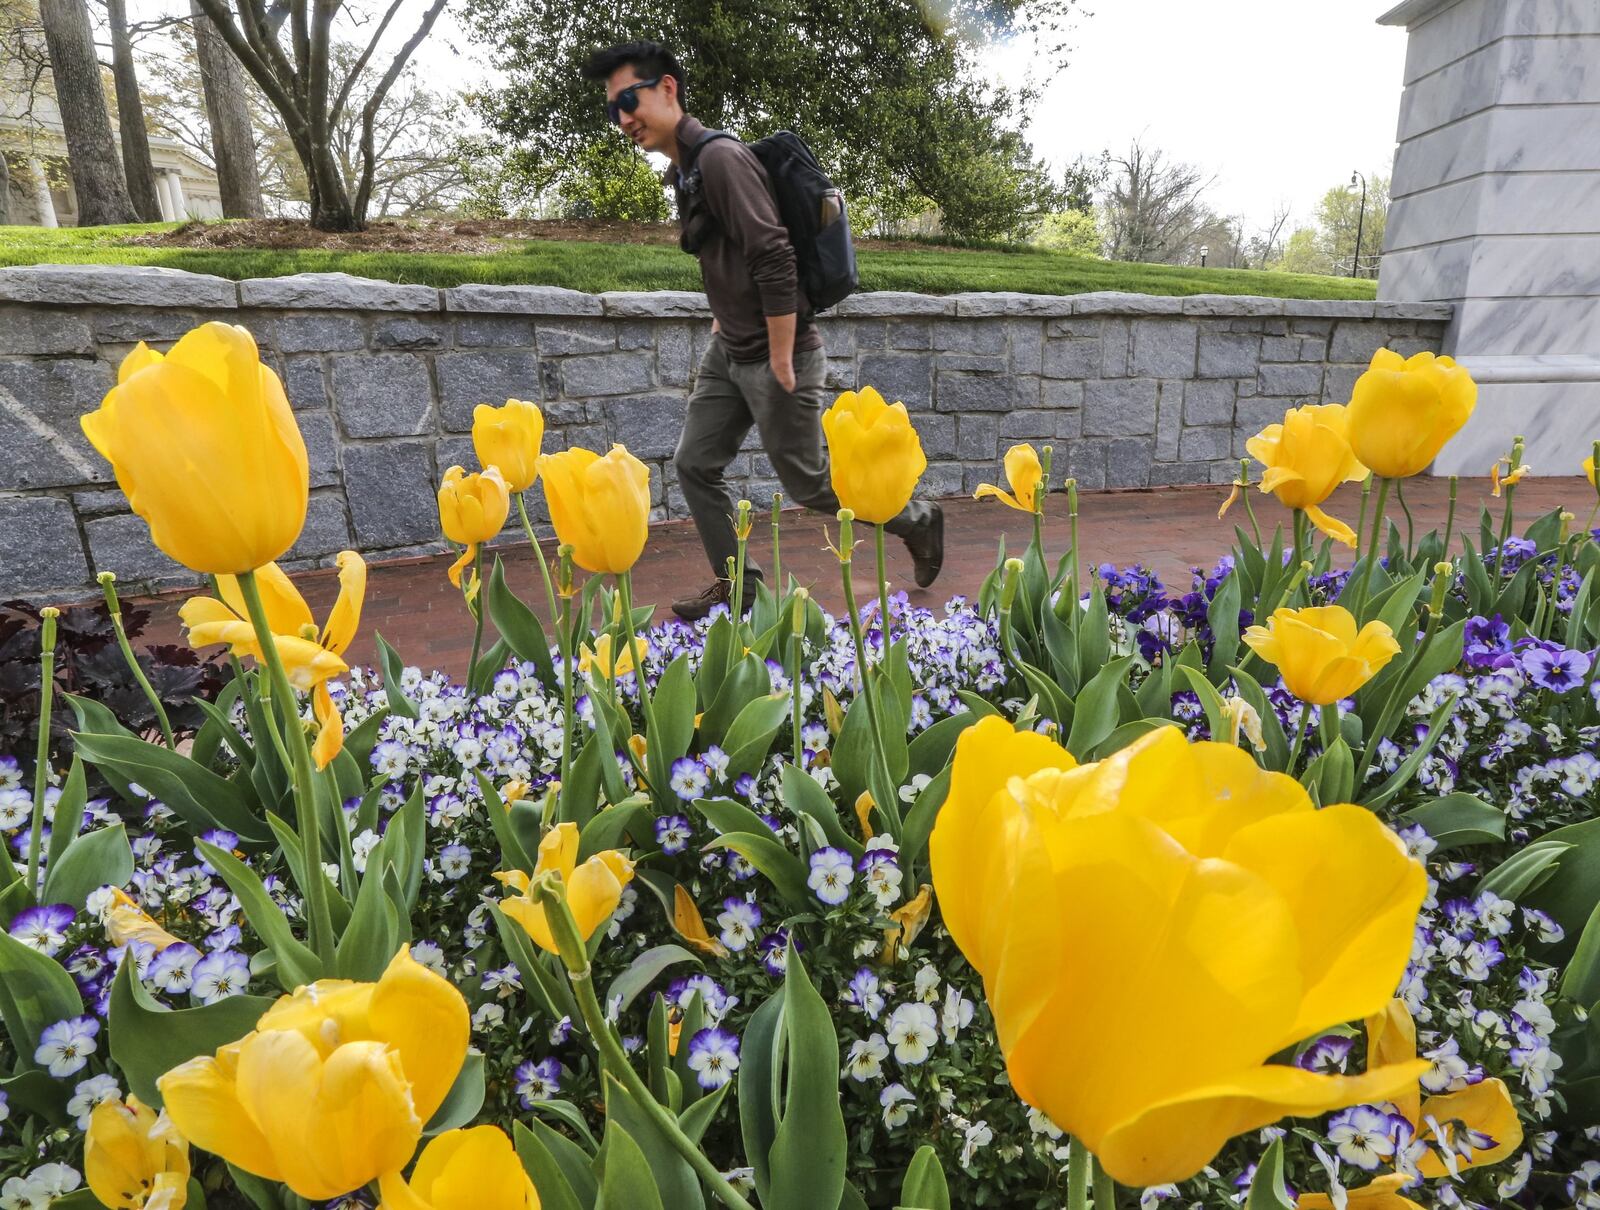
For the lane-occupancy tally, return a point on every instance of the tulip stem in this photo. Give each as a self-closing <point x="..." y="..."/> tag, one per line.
<point x="1400" y="495"/>
<point x="475" y="605"/>
<point x="114" y="608"/>
<point x="658" y="777"/>
<point x="538" y="555"/>
<point x="316" y="897"/>
<point x="1372" y="550"/>
<point x="1299" y="516"/>
<point x="41" y="757"/>
<point x="1361" y="517"/>
<point x="884" y="794"/>
<point x="1079" y="1163"/>
<point x="883" y="591"/>
<point x="1450" y="516"/>
<point x="1299" y="736"/>
<point x="1105" y="1190"/>
<point x="568" y="671"/>
<point x="613" y="1059"/>
<point x="777" y="558"/>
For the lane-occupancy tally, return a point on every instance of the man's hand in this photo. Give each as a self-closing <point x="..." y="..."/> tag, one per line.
<point x="783" y="371"/>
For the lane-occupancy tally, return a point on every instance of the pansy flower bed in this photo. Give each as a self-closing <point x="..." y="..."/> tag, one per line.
<point x="1274" y="889"/>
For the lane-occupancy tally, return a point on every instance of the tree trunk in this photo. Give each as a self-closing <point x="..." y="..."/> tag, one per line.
<point x="232" y="139"/>
<point x="97" y="179"/>
<point x="141" y="173"/>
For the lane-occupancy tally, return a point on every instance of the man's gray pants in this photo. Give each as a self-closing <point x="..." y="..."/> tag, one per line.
<point x="728" y="398"/>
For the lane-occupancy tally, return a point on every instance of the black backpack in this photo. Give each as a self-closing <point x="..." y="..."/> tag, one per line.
<point x="810" y="205"/>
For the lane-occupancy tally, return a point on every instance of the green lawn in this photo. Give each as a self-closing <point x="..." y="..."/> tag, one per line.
<point x="595" y="267"/>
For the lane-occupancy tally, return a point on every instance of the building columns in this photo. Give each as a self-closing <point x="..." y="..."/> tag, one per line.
<point x="45" y="204"/>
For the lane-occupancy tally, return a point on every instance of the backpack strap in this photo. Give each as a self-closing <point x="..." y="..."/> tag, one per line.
<point x="689" y="174"/>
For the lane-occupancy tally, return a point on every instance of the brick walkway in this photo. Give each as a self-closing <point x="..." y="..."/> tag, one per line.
<point x="414" y="607"/>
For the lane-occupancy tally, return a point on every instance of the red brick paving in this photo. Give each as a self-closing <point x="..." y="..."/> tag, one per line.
<point x="413" y="606"/>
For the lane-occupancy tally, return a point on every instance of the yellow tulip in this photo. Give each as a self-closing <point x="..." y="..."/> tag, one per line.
<point x="126" y="921"/>
<point x="472" y="1169"/>
<point x="1024" y="473"/>
<point x="1319" y="653"/>
<point x="691" y="926"/>
<point x="311" y="658"/>
<point x="598" y="659"/>
<point x="509" y="438"/>
<point x="1588" y="470"/>
<point x="472" y="509"/>
<point x="600" y="506"/>
<point x="1404" y="409"/>
<point x="876" y="455"/>
<point x="592" y="890"/>
<point x="1153" y="927"/>
<point x="1471" y="1127"/>
<point x="1381" y="1194"/>
<point x="134" y="1157"/>
<point x="205" y="446"/>
<point x="1306" y="458"/>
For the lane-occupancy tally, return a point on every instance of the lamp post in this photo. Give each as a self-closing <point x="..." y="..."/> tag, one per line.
<point x="1361" y="221"/>
<point x="1205" y="251"/>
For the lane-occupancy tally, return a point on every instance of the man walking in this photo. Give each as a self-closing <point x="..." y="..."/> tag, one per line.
<point x="765" y="365"/>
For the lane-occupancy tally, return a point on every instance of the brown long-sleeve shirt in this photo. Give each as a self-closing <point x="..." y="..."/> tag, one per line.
<point x="746" y="260"/>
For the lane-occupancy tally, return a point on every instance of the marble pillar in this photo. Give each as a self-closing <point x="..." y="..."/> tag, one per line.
<point x="42" y="201"/>
<point x="1495" y="207"/>
<point x="180" y="206"/>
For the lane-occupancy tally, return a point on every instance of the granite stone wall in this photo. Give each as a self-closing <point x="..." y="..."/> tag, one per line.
<point x="1134" y="391"/>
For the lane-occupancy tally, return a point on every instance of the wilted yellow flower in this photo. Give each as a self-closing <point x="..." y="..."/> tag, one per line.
<point x="875" y="453"/>
<point x="1153" y="927"/>
<point x="1024" y="473"/>
<point x="1512" y="477"/>
<point x="1319" y="653"/>
<point x="691" y="926"/>
<point x="599" y="506"/>
<point x="126" y="921"/>
<point x="1404" y="409"/>
<point x="1306" y="458"/>
<point x="205" y="446"/>
<point x="472" y="509"/>
<point x="310" y="657"/>
<point x="509" y="438"/>
<point x="1243" y="720"/>
<point x="135" y="1158"/>
<point x="1380" y="1194"/>
<point x="592" y="890"/>
<point x="471" y="1169"/>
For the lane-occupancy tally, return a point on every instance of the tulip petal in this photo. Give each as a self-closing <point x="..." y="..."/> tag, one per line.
<point x="203" y="1101"/>
<point x="1382" y="1193"/>
<point x="345" y="618"/>
<point x="423" y="1017"/>
<point x="330" y="731"/>
<point x="1392" y="1038"/>
<point x="988" y="491"/>
<point x="1483" y="1108"/>
<point x="691" y="926"/>
<point x="594" y="890"/>
<point x="530" y="916"/>
<point x="472" y="1169"/>
<point x="1332" y="526"/>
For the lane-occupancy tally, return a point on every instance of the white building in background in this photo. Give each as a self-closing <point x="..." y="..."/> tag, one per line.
<point x="35" y="147"/>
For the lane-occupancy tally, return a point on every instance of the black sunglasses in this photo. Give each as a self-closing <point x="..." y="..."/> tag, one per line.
<point x="627" y="100"/>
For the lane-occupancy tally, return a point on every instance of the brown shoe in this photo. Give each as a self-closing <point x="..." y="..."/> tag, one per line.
<point x="692" y="609"/>
<point x="926" y="544"/>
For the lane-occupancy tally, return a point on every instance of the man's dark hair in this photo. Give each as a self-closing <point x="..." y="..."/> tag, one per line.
<point x="648" y="60"/>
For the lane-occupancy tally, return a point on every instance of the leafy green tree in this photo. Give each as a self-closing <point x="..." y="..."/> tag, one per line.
<point x="1340" y="215"/>
<point x="1075" y="231"/>
<point x="1303" y="253"/>
<point x="887" y="92"/>
<point x="611" y="181"/>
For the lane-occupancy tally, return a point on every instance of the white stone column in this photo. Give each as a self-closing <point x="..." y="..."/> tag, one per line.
<point x="1496" y="208"/>
<point x="175" y="190"/>
<point x="42" y="200"/>
<point x="163" y="197"/>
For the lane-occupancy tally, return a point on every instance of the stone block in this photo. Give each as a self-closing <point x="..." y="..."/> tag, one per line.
<point x="1281" y="348"/>
<point x="840" y="374"/>
<point x="977" y="437"/>
<point x="958" y="391"/>
<point x="129" y="325"/>
<point x="673" y="346"/>
<point x="605" y="374"/>
<point x="1027" y="346"/>
<point x="99" y="502"/>
<point x="970" y="336"/>
<point x="116" y="286"/>
<point x="1422" y="312"/>
<point x="1311" y="327"/>
<point x="1313" y="348"/>
<point x="382" y="395"/>
<point x="468" y="379"/>
<point x="303" y="382"/>
<point x="494" y="331"/>
<point x="1180" y="474"/>
<point x="838" y="337"/>
<point x="39" y="547"/>
<point x="1086" y="462"/>
<point x="317" y="333"/>
<point x="910" y="334"/>
<point x="636" y="335"/>
<point x="322" y="447"/>
<point x="1074" y="329"/>
<point x="327" y="530"/>
<point x="122" y="544"/>
<point x="648" y="425"/>
<point x="1061" y="393"/>
<point x="1208" y="401"/>
<point x="1128" y="461"/>
<point x="35" y="332"/>
<point x="1338" y="382"/>
<point x="1300" y="381"/>
<point x="1073" y="358"/>
<point x="884" y="303"/>
<point x="1169" y="420"/>
<point x="1027" y="425"/>
<point x="335" y="292"/>
<point x="1228" y="354"/>
<point x="1231" y="304"/>
<point x="655" y="304"/>
<point x="870" y="333"/>
<point x="942" y="479"/>
<point x="977" y="363"/>
<point x="40" y="403"/>
<point x="1116" y="337"/>
<point x="972" y="476"/>
<point x="1205" y="444"/>
<point x="1119" y="408"/>
<point x="907" y="377"/>
<point x="1069" y="423"/>
<point x="1164" y="348"/>
<point x="1253" y="415"/>
<point x="937" y="433"/>
<point x="1330" y="308"/>
<point x="1355" y="342"/>
<point x="1006" y="302"/>
<point x="521" y="300"/>
<point x="392" y="494"/>
<point x="409" y="332"/>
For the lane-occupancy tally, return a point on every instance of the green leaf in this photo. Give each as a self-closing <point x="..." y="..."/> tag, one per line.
<point x="750" y="737"/>
<point x="694" y="1120"/>
<point x="148" y="1040"/>
<point x="1524" y="870"/>
<point x="1459" y="819"/>
<point x="1570" y="895"/>
<point x="674" y="703"/>
<point x="1095" y="713"/>
<point x="512" y="855"/>
<point x="1092" y="627"/>
<point x="1210" y="700"/>
<point x="1277" y="753"/>
<point x="37" y="1092"/>
<point x="462" y="1102"/>
<point x="102" y="858"/>
<point x="1127" y="734"/>
<point x="580" y="793"/>
<point x="260" y="1193"/>
<point x="760" y="1061"/>
<point x="748" y="680"/>
<point x="547" y="990"/>
<point x="296" y="964"/>
<point x="552" y="1178"/>
<point x="1267" y="1190"/>
<point x="390" y="664"/>
<point x="1223" y="614"/>
<point x="35" y="992"/>
<point x="198" y="795"/>
<point x="643" y="971"/>
<point x="672" y="1176"/>
<point x="519" y="626"/>
<point x="608" y="828"/>
<point x="626" y="1182"/>
<point x="727" y="816"/>
<point x="373" y="934"/>
<point x="923" y="815"/>
<point x="1333" y="773"/>
<point x="783" y="869"/>
<point x="924" y="1187"/>
<point x="802" y="794"/>
<point x="808" y="1152"/>
<point x="931" y="749"/>
<point x="68" y="820"/>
